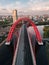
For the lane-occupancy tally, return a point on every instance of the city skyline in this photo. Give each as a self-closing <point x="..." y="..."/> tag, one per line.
<point x="27" y="6"/>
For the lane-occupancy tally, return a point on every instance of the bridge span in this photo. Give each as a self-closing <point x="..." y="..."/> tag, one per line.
<point x="22" y="48"/>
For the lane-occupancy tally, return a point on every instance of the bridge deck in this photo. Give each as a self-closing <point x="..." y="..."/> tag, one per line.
<point x="24" y="54"/>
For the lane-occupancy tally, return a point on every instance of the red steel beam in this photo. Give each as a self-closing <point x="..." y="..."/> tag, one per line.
<point x="38" y="36"/>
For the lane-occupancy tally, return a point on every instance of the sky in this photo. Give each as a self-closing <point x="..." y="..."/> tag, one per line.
<point x="26" y="6"/>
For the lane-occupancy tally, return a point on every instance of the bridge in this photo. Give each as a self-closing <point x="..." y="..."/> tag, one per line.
<point x="23" y="48"/>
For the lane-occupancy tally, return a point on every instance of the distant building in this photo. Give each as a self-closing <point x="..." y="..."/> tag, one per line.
<point x="15" y="17"/>
<point x="1" y="20"/>
<point x="47" y="19"/>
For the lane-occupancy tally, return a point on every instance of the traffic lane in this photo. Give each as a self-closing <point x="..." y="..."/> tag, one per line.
<point x="24" y="53"/>
<point x="20" y="54"/>
<point x="27" y="51"/>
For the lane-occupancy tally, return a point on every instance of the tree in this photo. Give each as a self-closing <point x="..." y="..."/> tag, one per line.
<point x="46" y="32"/>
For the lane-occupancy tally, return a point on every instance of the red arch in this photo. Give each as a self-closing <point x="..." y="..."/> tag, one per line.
<point x="28" y="20"/>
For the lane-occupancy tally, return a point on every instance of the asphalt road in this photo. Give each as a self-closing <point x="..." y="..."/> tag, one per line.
<point x="24" y="54"/>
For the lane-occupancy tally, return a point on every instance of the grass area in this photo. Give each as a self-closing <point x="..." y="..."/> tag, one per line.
<point x="46" y="32"/>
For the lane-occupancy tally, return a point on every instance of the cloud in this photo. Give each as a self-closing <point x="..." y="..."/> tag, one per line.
<point x="38" y="5"/>
<point x="29" y="6"/>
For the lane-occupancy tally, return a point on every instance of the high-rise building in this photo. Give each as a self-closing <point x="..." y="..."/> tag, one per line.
<point x="15" y="17"/>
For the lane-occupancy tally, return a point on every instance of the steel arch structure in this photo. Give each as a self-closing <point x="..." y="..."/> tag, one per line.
<point x="38" y="36"/>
